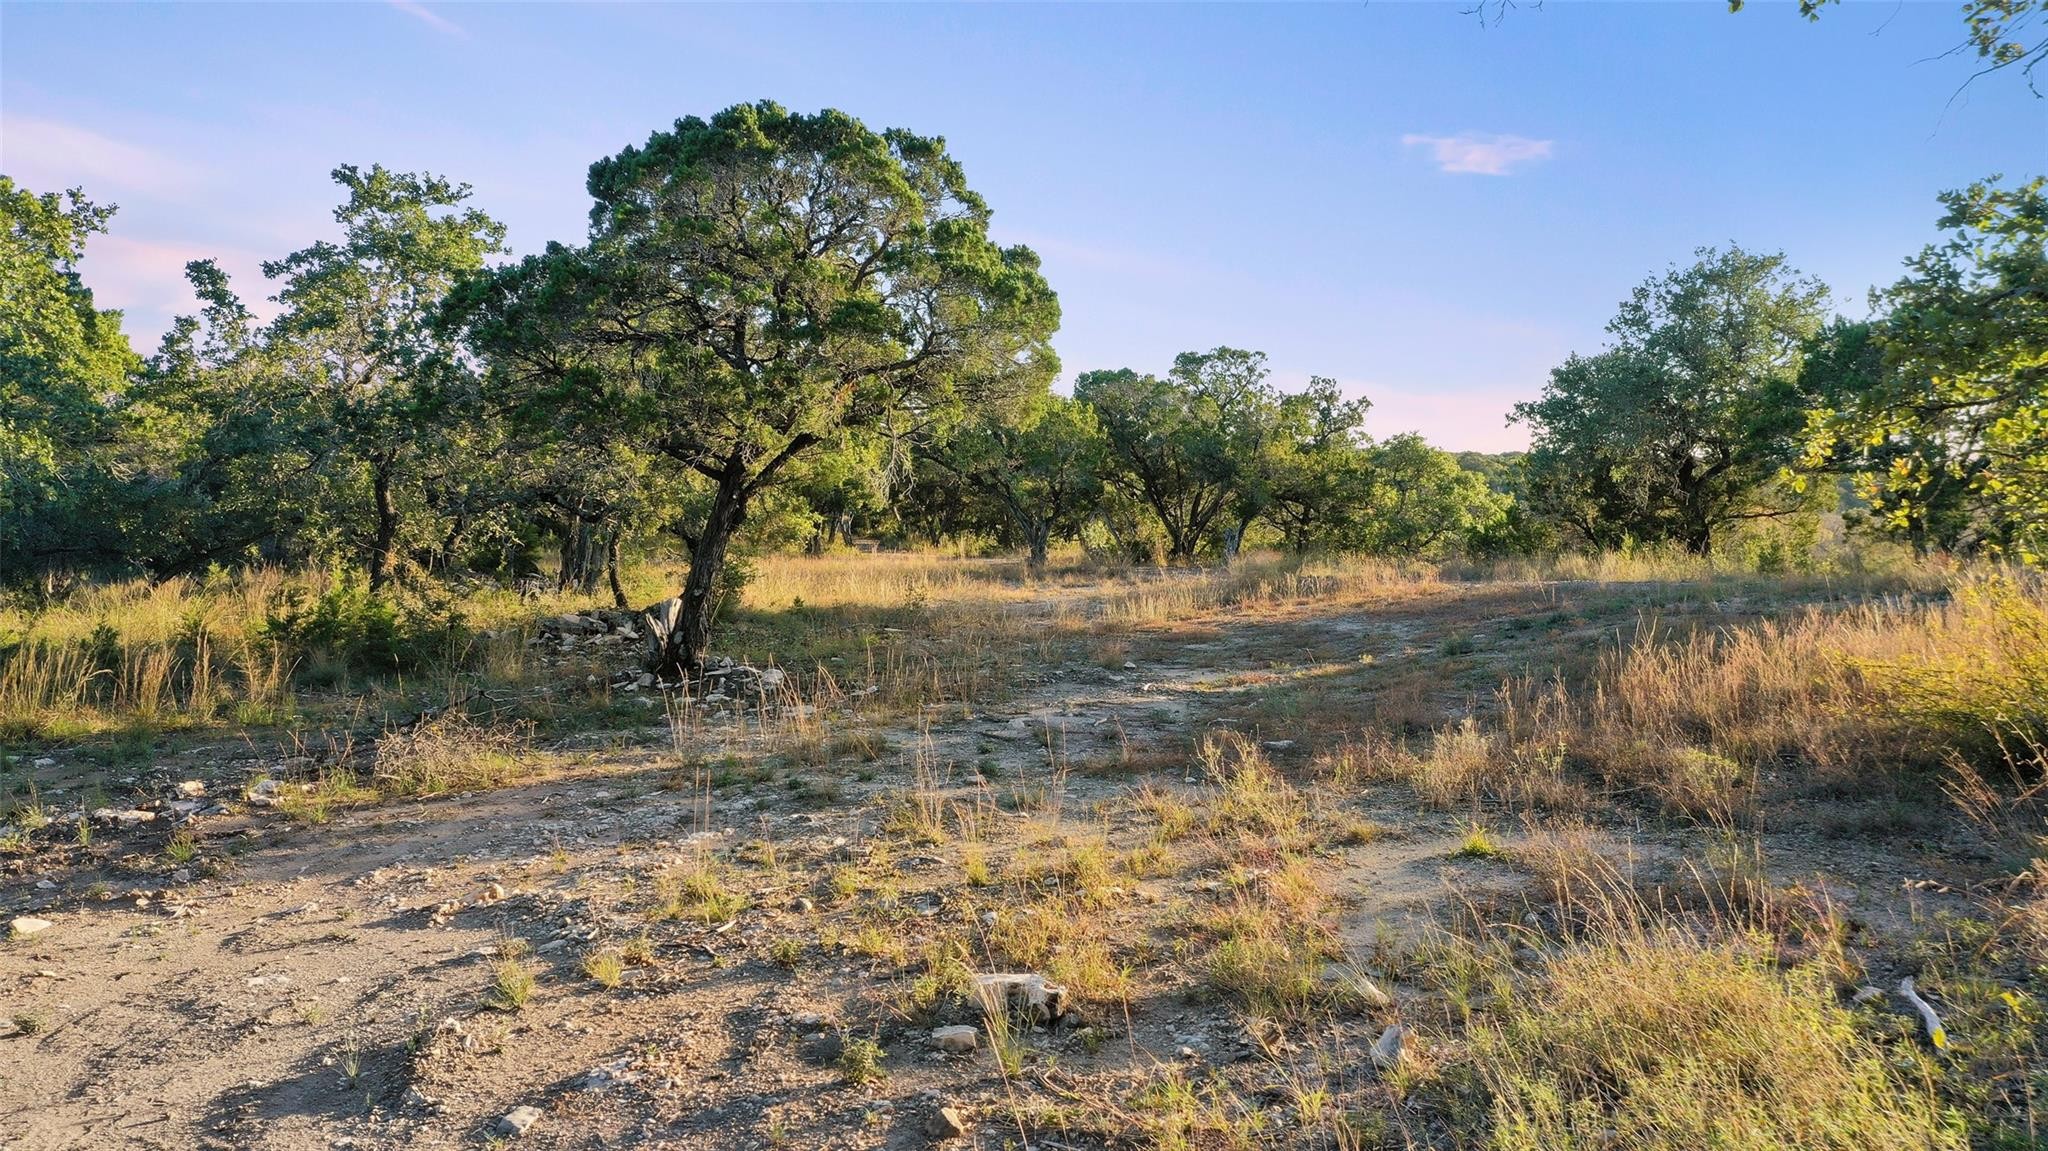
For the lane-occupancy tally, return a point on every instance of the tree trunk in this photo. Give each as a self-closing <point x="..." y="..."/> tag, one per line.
<point x="387" y="526"/>
<point x="1699" y="539"/>
<point x="1040" y="537"/>
<point x="1233" y="540"/>
<point x="688" y="647"/>
<point x="611" y="570"/>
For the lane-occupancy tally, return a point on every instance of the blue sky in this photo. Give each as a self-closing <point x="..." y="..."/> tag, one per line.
<point x="1432" y="211"/>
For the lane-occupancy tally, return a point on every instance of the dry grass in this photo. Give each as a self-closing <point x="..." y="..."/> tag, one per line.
<point x="699" y="892"/>
<point x="1693" y="722"/>
<point x="451" y="752"/>
<point x="1649" y="1040"/>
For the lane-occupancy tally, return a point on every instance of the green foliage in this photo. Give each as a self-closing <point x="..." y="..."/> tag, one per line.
<point x="385" y="380"/>
<point x="1039" y="468"/>
<point x="1682" y="428"/>
<point x="63" y="361"/>
<point x="1940" y="409"/>
<point x="346" y="626"/>
<point x="1187" y="444"/>
<point x="756" y="286"/>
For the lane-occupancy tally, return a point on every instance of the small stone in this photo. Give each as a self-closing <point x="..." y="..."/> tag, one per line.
<point x="191" y="789"/>
<point x="1386" y="1051"/>
<point x="27" y="925"/>
<point x="46" y="885"/>
<point x="419" y="1100"/>
<point x="645" y="680"/>
<point x="946" y="1123"/>
<point x="960" y="1039"/>
<point x="518" y="1120"/>
<point x="802" y="905"/>
<point x="1278" y="745"/>
<point x="182" y="875"/>
<point x="1036" y="998"/>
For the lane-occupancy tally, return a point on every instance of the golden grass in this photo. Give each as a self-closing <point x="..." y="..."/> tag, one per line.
<point x="450" y="753"/>
<point x="1828" y="698"/>
<point x="1654" y="1040"/>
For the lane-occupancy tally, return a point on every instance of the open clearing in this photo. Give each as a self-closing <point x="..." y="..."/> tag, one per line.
<point x="738" y="925"/>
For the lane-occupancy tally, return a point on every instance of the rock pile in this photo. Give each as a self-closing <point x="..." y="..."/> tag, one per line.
<point x="584" y="630"/>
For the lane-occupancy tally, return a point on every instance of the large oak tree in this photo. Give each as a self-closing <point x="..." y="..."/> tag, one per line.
<point x="755" y="286"/>
<point x="1682" y="426"/>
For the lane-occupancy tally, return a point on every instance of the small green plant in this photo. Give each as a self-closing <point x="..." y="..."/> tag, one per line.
<point x="512" y="984"/>
<point x="698" y="893"/>
<point x="786" y="952"/>
<point x="351" y="1058"/>
<point x="860" y="1061"/>
<point x="182" y="848"/>
<point x="606" y="968"/>
<point x="30" y="1023"/>
<point x="638" y="951"/>
<point x="845" y="882"/>
<point x="974" y="866"/>
<point x="1477" y="844"/>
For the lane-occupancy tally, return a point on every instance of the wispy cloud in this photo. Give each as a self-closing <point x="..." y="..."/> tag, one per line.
<point x="146" y="280"/>
<point x="48" y="154"/>
<point x="426" y="15"/>
<point x="1480" y="152"/>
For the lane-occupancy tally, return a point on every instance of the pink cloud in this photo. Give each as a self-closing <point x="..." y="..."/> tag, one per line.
<point x="145" y="279"/>
<point x="1462" y="421"/>
<point x="49" y="155"/>
<point x="1479" y="152"/>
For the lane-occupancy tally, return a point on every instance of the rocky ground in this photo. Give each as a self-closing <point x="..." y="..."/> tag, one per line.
<point x="739" y="931"/>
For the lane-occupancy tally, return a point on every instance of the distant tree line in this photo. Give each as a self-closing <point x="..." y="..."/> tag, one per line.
<point x="1728" y="396"/>
<point x="783" y="330"/>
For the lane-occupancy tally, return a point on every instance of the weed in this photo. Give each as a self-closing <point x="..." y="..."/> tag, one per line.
<point x="860" y="1061"/>
<point x="697" y="893"/>
<point x="638" y="951"/>
<point x="605" y="968"/>
<point x="1477" y="844"/>
<point x="512" y="984"/>
<point x="1769" y="1060"/>
<point x="974" y="866"/>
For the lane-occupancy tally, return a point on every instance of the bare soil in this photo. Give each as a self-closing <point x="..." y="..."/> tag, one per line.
<point x="326" y="985"/>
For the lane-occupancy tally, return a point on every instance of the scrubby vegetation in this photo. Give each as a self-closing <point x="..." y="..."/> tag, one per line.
<point x="1168" y="764"/>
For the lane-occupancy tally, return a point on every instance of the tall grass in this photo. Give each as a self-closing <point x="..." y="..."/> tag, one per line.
<point x="1653" y="1039"/>
<point x="1698" y="722"/>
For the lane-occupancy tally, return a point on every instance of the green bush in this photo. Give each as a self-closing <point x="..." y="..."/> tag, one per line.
<point x="348" y="627"/>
